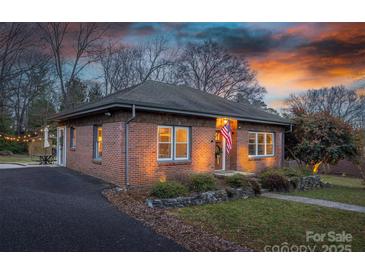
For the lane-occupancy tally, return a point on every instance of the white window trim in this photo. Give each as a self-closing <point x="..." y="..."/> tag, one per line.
<point x="158" y="144"/>
<point x="73" y="138"/>
<point x="265" y="144"/>
<point x="187" y="144"/>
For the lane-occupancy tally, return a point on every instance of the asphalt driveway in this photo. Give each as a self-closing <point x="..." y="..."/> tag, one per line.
<point x="55" y="209"/>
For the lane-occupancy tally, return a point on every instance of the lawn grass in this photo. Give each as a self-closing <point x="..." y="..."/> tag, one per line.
<point x="17" y="158"/>
<point x="257" y="222"/>
<point x="348" y="195"/>
<point x="345" y="190"/>
<point x="343" y="181"/>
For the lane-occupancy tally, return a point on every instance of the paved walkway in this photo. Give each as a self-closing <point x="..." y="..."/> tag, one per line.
<point x="319" y="202"/>
<point x="16" y="165"/>
<point x="8" y="166"/>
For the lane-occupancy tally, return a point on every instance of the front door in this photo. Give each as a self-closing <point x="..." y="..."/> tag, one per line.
<point x="218" y="150"/>
<point x="61" y="141"/>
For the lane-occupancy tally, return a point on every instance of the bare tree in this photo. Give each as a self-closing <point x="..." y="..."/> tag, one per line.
<point x="31" y="81"/>
<point x="84" y="38"/>
<point x="14" y="39"/>
<point x="154" y="59"/>
<point x="211" y="68"/>
<point x="128" y="66"/>
<point x="117" y="64"/>
<point x="339" y="101"/>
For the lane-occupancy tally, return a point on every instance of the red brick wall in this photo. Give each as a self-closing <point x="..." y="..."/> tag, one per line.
<point x="245" y="163"/>
<point x="111" y="168"/>
<point x="144" y="167"/>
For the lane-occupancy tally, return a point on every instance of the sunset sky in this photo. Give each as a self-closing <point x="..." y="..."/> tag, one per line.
<point x="288" y="57"/>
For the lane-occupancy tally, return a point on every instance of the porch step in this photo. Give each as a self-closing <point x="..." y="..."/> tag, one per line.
<point x="227" y="173"/>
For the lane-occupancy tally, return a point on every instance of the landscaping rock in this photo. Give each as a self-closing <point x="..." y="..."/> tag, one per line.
<point x="209" y="197"/>
<point x="238" y="193"/>
<point x="307" y="182"/>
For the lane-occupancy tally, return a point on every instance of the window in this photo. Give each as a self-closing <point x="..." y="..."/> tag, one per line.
<point x="72" y="137"/>
<point x="173" y="143"/>
<point x="260" y="144"/>
<point x="98" y="142"/>
<point x="165" y="143"/>
<point x="181" y="143"/>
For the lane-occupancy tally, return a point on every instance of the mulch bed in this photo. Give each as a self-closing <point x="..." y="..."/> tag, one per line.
<point x="191" y="237"/>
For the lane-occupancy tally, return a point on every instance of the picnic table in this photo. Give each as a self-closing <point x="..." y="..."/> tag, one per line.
<point x="45" y="159"/>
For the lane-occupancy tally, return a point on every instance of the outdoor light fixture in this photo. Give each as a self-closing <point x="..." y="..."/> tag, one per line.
<point x="108" y="114"/>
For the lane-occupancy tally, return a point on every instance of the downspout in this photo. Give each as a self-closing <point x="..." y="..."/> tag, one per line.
<point x="126" y="148"/>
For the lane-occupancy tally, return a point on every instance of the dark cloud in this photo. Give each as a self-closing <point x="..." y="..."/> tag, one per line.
<point x="143" y="29"/>
<point x="331" y="53"/>
<point x="249" y="40"/>
<point x="335" y="48"/>
<point x="117" y="29"/>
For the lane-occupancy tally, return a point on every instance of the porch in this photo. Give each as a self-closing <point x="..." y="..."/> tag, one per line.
<point x="228" y="173"/>
<point x="225" y="163"/>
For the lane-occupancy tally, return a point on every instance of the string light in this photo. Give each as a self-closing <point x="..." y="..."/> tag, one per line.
<point x="27" y="137"/>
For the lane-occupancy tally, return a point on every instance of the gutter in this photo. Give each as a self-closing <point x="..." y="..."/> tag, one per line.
<point x="126" y="148"/>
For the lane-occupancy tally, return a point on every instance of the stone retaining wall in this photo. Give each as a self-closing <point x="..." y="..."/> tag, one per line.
<point x="308" y="183"/>
<point x="209" y="197"/>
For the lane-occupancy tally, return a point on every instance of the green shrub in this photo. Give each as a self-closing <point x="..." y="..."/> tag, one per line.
<point x="237" y="180"/>
<point x="255" y="187"/>
<point x="274" y="179"/>
<point x="295" y="172"/>
<point x="241" y="181"/>
<point x="14" y="147"/>
<point x="169" y="189"/>
<point x="202" y="182"/>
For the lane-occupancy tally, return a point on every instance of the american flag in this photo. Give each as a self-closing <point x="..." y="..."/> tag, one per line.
<point x="227" y="134"/>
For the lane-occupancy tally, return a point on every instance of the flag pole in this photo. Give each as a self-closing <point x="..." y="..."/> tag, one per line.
<point x="224" y="154"/>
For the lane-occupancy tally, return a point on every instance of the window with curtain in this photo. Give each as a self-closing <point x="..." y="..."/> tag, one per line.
<point x="260" y="144"/>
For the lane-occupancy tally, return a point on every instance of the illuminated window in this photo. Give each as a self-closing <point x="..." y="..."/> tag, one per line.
<point x="165" y="143"/>
<point x="181" y="143"/>
<point x="98" y="142"/>
<point x="260" y="144"/>
<point x="252" y="143"/>
<point x="72" y="137"/>
<point x="173" y="143"/>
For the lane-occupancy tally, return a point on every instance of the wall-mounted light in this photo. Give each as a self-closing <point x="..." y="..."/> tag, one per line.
<point x="107" y="114"/>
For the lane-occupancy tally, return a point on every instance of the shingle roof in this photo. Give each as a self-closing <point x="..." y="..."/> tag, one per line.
<point x="162" y="97"/>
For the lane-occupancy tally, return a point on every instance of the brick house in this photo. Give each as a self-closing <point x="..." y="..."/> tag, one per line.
<point x="154" y="131"/>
